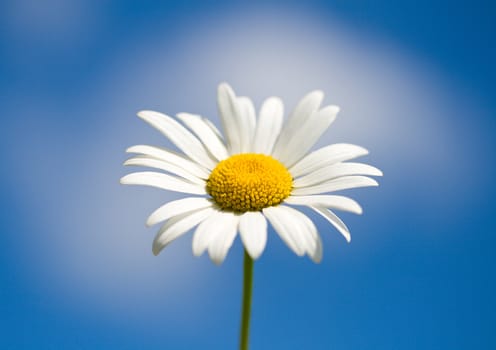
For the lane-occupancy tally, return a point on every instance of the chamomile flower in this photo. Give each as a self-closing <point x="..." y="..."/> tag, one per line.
<point x="253" y="174"/>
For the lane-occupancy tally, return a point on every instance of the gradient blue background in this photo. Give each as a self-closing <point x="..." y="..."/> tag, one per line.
<point x="416" y="83"/>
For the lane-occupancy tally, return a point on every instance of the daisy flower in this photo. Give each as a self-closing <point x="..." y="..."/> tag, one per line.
<point x="253" y="174"/>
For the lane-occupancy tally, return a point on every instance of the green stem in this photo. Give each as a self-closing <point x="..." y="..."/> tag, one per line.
<point x="246" y="306"/>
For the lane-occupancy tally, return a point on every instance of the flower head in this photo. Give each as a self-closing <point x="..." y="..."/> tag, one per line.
<point x="255" y="173"/>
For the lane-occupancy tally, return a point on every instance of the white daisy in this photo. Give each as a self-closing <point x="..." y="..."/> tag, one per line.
<point x="256" y="173"/>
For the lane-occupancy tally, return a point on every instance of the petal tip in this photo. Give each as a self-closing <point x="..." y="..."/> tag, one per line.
<point x="156" y="250"/>
<point x="331" y="110"/>
<point x="142" y="114"/>
<point x="335" y="109"/>
<point x="124" y="180"/>
<point x="225" y="87"/>
<point x="128" y="162"/>
<point x="131" y="149"/>
<point x="317" y="260"/>
<point x="255" y="256"/>
<point x="317" y="94"/>
<point x="371" y="182"/>
<point x="363" y="151"/>
<point x="275" y="99"/>
<point x="216" y="261"/>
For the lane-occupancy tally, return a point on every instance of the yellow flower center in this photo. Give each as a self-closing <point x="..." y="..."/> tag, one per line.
<point x="249" y="182"/>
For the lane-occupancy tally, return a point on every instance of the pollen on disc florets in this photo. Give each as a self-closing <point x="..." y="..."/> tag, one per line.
<point x="249" y="182"/>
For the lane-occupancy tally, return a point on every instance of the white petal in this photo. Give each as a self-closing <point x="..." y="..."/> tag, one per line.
<point x="305" y="108"/>
<point x="206" y="231"/>
<point x="253" y="231"/>
<point x="300" y="230"/>
<point x="268" y="126"/>
<point x="326" y="201"/>
<point x="338" y="184"/>
<point x="163" y="181"/>
<point x="178" y="226"/>
<point x="146" y="161"/>
<point x="334" y="171"/>
<point x="305" y="228"/>
<point x="179" y="136"/>
<point x="284" y="224"/>
<point x="229" y="114"/>
<point x="331" y="154"/>
<point x="171" y="157"/>
<point x="306" y="135"/>
<point x="335" y="221"/>
<point x="309" y="231"/>
<point x="307" y="105"/>
<point x="214" y="129"/>
<point x="177" y="207"/>
<point x="223" y="240"/>
<point x="316" y="255"/>
<point x="205" y="133"/>
<point x="247" y="121"/>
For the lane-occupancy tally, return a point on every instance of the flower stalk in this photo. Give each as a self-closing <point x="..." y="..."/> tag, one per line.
<point x="246" y="302"/>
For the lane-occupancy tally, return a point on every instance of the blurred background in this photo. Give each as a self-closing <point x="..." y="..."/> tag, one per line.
<point x="415" y="81"/>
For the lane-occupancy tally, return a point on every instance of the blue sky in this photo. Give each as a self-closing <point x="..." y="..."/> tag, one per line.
<point x="415" y="82"/>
